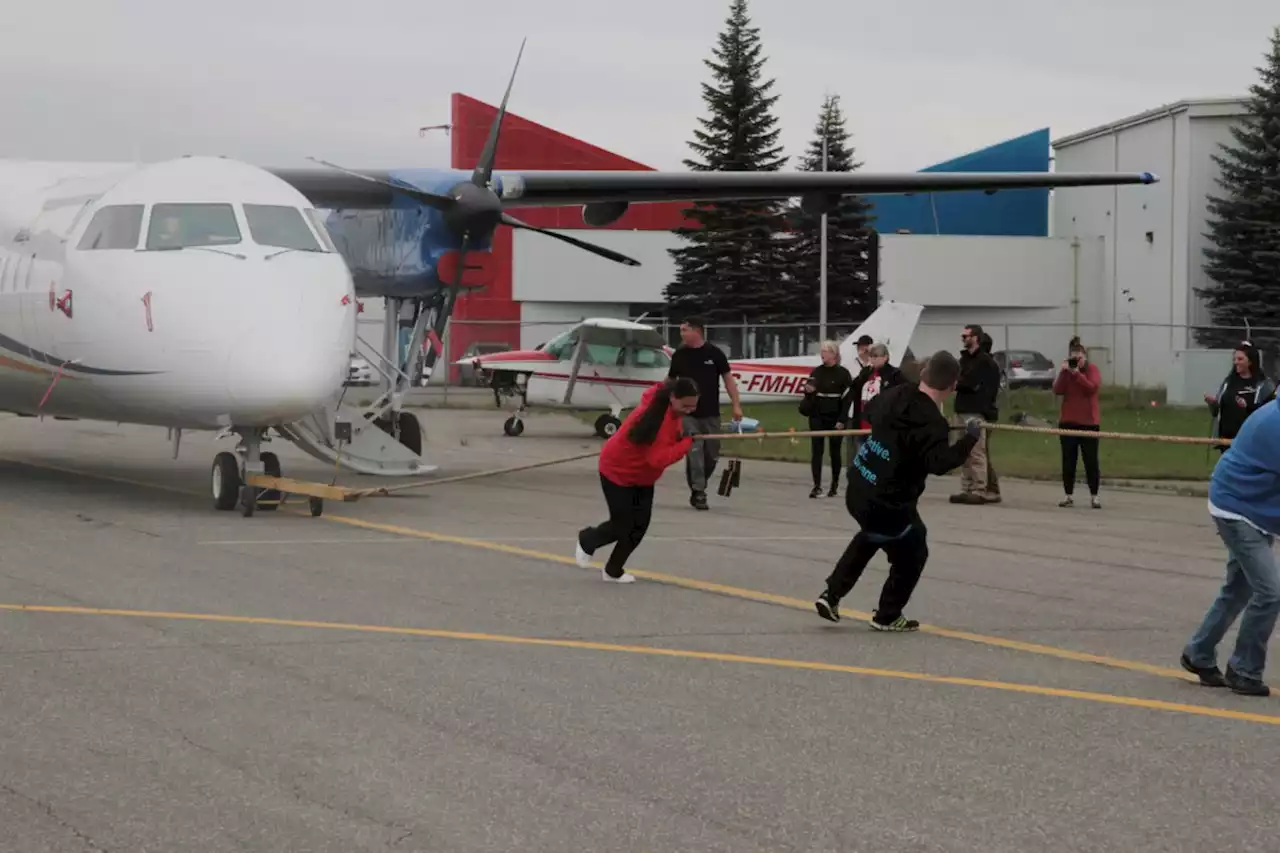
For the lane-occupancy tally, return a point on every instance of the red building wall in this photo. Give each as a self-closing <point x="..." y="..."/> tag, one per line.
<point x="528" y="145"/>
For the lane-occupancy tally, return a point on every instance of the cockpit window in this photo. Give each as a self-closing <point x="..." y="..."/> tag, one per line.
<point x="322" y="230"/>
<point x="280" y="225"/>
<point x="116" y="226"/>
<point x="178" y="226"/>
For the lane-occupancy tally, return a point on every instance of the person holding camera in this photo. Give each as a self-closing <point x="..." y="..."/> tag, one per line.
<point x="1078" y="383"/>
<point x="828" y="394"/>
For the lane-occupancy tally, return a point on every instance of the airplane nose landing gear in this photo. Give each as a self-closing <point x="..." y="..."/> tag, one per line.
<point x="231" y="470"/>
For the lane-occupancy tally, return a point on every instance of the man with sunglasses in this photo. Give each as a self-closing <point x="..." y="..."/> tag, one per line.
<point x="976" y="394"/>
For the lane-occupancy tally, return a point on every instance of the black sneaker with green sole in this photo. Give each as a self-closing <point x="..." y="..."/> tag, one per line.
<point x="900" y="625"/>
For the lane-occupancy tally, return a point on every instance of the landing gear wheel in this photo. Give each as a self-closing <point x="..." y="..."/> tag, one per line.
<point x="514" y="426"/>
<point x="607" y="425"/>
<point x="270" y="497"/>
<point x="410" y="432"/>
<point x="225" y="479"/>
<point x="317" y="506"/>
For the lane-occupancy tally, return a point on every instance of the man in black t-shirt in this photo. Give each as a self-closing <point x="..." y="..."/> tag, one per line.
<point x="706" y="365"/>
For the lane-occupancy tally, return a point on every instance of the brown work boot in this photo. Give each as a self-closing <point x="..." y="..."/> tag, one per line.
<point x="972" y="498"/>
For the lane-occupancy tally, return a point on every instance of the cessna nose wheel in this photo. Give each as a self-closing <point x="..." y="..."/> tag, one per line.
<point x="607" y="425"/>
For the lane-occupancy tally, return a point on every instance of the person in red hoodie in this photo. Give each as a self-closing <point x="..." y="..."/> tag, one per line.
<point x="648" y="442"/>
<point x="1078" y="382"/>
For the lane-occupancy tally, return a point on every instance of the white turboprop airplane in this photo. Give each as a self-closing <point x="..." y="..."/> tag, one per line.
<point x="204" y="293"/>
<point x="604" y="363"/>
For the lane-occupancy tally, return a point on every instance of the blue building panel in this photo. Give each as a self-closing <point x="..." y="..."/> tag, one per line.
<point x="1008" y="213"/>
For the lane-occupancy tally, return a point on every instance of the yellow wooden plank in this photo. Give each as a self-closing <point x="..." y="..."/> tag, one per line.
<point x="302" y="487"/>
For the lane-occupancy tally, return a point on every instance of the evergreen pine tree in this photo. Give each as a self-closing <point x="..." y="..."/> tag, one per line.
<point x="1244" y="228"/>
<point x="851" y="294"/>
<point x="731" y="267"/>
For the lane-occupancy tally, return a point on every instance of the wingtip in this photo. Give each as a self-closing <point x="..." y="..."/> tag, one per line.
<point x="1150" y="178"/>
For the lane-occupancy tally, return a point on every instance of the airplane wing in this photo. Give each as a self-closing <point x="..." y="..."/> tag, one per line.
<point x="355" y="189"/>
<point x="619" y="333"/>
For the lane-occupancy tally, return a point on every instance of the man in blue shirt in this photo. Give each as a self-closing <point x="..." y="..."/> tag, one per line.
<point x="1244" y="501"/>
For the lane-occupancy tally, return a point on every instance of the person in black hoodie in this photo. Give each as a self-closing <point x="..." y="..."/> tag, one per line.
<point x="909" y="441"/>
<point x="976" y="394"/>
<point x="827" y="397"/>
<point x="993" y="479"/>
<point x="1244" y="390"/>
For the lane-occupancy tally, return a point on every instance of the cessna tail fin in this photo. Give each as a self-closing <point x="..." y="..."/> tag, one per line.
<point x="892" y="324"/>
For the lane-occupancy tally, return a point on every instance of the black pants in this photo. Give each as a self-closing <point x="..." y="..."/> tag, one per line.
<point x="824" y="422"/>
<point x="630" y="508"/>
<point x="1073" y="445"/>
<point x="907" y="555"/>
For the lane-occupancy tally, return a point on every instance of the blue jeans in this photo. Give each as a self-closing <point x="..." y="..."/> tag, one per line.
<point x="1252" y="585"/>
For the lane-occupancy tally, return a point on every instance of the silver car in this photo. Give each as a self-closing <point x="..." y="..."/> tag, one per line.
<point x="1024" y="368"/>
<point x="360" y="371"/>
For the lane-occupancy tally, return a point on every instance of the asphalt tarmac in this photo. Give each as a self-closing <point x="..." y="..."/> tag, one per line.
<point x="432" y="672"/>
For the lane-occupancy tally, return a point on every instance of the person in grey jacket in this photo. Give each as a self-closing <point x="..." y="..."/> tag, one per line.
<point x="1245" y="389"/>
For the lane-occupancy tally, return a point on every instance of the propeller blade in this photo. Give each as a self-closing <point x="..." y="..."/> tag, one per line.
<point x="484" y="167"/>
<point x="440" y="202"/>
<point x="507" y="219"/>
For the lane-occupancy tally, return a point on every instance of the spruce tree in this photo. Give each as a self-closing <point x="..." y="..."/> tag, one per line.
<point x="731" y="267"/>
<point x="1244" y="226"/>
<point x="851" y="292"/>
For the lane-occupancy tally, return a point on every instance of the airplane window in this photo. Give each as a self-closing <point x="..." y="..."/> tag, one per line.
<point x="317" y="222"/>
<point x="178" y="226"/>
<point x="115" y="226"/>
<point x="280" y="225"/>
<point x="602" y="354"/>
<point x="561" y="346"/>
<point x="651" y="358"/>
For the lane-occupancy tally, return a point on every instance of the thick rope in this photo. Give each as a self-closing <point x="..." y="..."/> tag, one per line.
<point x="762" y="436"/>
<point x="476" y="475"/>
<point x="1127" y="436"/>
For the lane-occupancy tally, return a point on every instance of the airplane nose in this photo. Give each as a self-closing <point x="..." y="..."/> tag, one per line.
<point x="278" y="382"/>
<point x="289" y="363"/>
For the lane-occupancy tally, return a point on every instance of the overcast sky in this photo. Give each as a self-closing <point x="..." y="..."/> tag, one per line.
<point x="273" y="81"/>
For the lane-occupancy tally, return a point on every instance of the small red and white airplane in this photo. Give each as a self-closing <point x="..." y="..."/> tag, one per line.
<point x="603" y="363"/>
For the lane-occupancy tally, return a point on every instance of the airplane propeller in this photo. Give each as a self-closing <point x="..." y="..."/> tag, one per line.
<point x="472" y="209"/>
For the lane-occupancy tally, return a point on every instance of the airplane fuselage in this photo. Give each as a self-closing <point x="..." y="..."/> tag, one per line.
<point x="160" y="295"/>
<point x="548" y="382"/>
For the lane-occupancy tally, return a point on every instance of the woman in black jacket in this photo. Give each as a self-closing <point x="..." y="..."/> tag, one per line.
<point x="1244" y="390"/>
<point x="827" y="398"/>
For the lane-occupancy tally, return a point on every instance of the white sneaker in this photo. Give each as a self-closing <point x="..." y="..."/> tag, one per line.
<point x="583" y="558"/>
<point x="627" y="577"/>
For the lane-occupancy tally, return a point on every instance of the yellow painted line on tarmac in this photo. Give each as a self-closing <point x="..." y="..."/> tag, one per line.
<point x="659" y="577"/>
<point x="770" y="598"/>
<point x="719" y="657"/>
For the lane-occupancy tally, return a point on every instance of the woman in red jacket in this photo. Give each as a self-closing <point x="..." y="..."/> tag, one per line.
<point x="649" y="441"/>
<point x="1078" y="382"/>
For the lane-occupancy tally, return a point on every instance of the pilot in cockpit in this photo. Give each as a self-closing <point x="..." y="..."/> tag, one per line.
<point x="170" y="234"/>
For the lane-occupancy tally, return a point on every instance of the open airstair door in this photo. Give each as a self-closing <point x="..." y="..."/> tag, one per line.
<point x="368" y="449"/>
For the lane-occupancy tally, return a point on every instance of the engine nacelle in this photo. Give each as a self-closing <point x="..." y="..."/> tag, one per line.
<point x="816" y="204"/>
<point x="599" y="214"/>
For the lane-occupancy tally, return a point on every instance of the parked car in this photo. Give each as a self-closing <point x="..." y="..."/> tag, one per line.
<point x="360" y="371"/>
<point x="1024" y="368"/>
